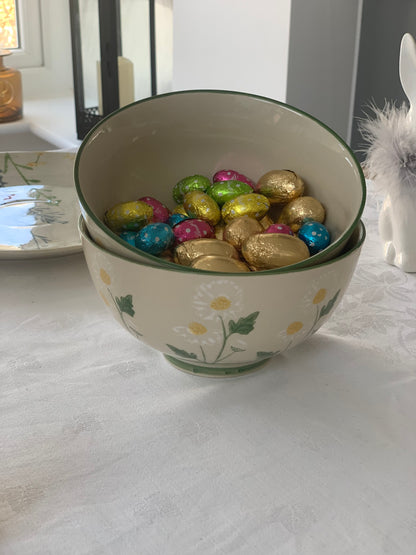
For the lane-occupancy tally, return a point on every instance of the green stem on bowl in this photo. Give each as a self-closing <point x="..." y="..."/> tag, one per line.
<point x="204" y="358"/>
<point x="224" y="339"/>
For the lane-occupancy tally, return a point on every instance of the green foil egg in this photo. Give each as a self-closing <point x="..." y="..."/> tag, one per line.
<point x="188" y="184"/>
<point x="128" y="216"/>
<point x="223" y="191"/>
<point x="252" y="204"/>
<point x="200" y="205"/>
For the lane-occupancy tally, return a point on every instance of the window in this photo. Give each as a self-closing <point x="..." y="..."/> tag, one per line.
<point x="9" y="36"/>
<point x="20" y="31"/>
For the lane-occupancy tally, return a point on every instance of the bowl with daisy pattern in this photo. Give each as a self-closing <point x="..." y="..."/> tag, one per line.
<point x="219" y="324"/>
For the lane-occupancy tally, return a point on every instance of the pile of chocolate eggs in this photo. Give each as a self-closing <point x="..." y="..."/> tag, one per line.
<point x="229" y="224"/>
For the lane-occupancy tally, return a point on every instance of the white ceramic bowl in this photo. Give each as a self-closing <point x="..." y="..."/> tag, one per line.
<point x="216" y="324"/>
<point x="144" y="149"/>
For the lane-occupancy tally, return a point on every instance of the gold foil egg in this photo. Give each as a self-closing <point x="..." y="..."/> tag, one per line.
<point x="280" y="186"/>
<point x="219" y="230"/>
<point x="187" y="252"/>
<point x="252" y="204"/>
<point x="265" y="251"/>
<point x="200" y="205"/>
<point x="214" y="263"/>
<point x="128" y="216"/>
<point x="266" y="221"/>
<point x="180" y="209"/>
<point x="167" y="255"/>
<point x="296" y="212"/>
<point x="240" y="229"/>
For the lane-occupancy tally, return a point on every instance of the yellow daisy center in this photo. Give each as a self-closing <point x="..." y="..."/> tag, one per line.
<point x="294" y="327"/>
<point x="196" y="328"/>
<point x="320" y="296"/>
<point x="220" y="303"/>
<point x="105" y="277"/>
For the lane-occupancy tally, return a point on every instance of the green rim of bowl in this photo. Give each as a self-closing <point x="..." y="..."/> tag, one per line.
<point x="177" y="268"/>
<point x="171" y="265"/>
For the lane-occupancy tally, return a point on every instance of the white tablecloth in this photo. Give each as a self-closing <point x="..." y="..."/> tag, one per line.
<point x="107" y="449"/>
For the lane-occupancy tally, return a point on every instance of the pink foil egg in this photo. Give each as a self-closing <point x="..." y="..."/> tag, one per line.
<point x="279" y="228"/>
<point x="228" y="175"/>
<point x="192" y="229"/>
<point x="160" y="211"/>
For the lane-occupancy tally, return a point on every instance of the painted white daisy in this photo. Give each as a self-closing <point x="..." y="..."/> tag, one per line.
<point x="197" y="333"/>
<point x="293" y="334"/>
<point x="320" y="291"/>
<point x="220" y="297"/>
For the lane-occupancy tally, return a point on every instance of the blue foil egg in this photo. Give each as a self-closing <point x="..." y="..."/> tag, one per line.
<point x="155" y="238"/>
<point x="175" y="219"/>
<point x="315" y="235"/>
<point x="129" y="237"/>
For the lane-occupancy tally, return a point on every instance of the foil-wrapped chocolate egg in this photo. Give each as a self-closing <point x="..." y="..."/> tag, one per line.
<point x="280" y="186"/>
<point x="238" y="230"/>
<point x="223" y="191"/>
<point x="214" y="263"/>
<point x="128" y="216"/>
<point x="190" y="183"/>
<point x="219" y="230"/>
<point x="179" y="209"/>
<point x="192" y="229"/>
<point x="187" y="252"/>
<point x="175" y="219"/>
<point x="160" y="211"/>
<point x="301" y="209"/>
<point x="315" y="235"/>
<point x="266" y="221"/>
<point x="167" y="255"/>
<point x="252" y="204"/>
<point x="265" y="251"/>
<point x="279" y="228"/>
<point x="155" y="238"/>
<point x="129" y="237"/>
<point x="200" y="205"/>
<point x="227" y="175"/>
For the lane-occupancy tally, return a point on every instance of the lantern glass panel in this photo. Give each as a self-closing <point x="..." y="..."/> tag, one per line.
<point x="90" y="48"/>
<point x="135" y="48"/>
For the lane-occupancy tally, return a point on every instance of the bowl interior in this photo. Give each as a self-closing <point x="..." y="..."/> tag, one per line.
<point x="147" y="147"/>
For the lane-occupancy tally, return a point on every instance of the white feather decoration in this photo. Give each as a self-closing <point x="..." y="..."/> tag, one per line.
<point x="391" y="155"/>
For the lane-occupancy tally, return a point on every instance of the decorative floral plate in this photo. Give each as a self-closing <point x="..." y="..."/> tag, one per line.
<point x="39" y="209"/>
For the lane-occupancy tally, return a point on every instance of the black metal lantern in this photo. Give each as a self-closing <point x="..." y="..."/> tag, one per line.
<point x="110" y="50"/>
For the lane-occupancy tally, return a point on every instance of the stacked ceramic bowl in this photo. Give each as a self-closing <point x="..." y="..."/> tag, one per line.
<point x="214" y="322"/>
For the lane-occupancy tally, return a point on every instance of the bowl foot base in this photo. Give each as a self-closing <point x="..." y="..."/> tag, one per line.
<point x="215" y="372"/>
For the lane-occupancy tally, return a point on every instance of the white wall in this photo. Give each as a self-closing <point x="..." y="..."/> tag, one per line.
<point x="231" y="44"/>
<point x="323" y="54"/>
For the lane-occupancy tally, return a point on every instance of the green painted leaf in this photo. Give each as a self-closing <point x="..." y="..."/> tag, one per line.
<point x="328" y="307"/>
<point x="181" y="352"/>
<point x="125" y="304"/>
<point x="237" y="349"/>
<point x="267" y="354"/>
<point x="244" y="325"/>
